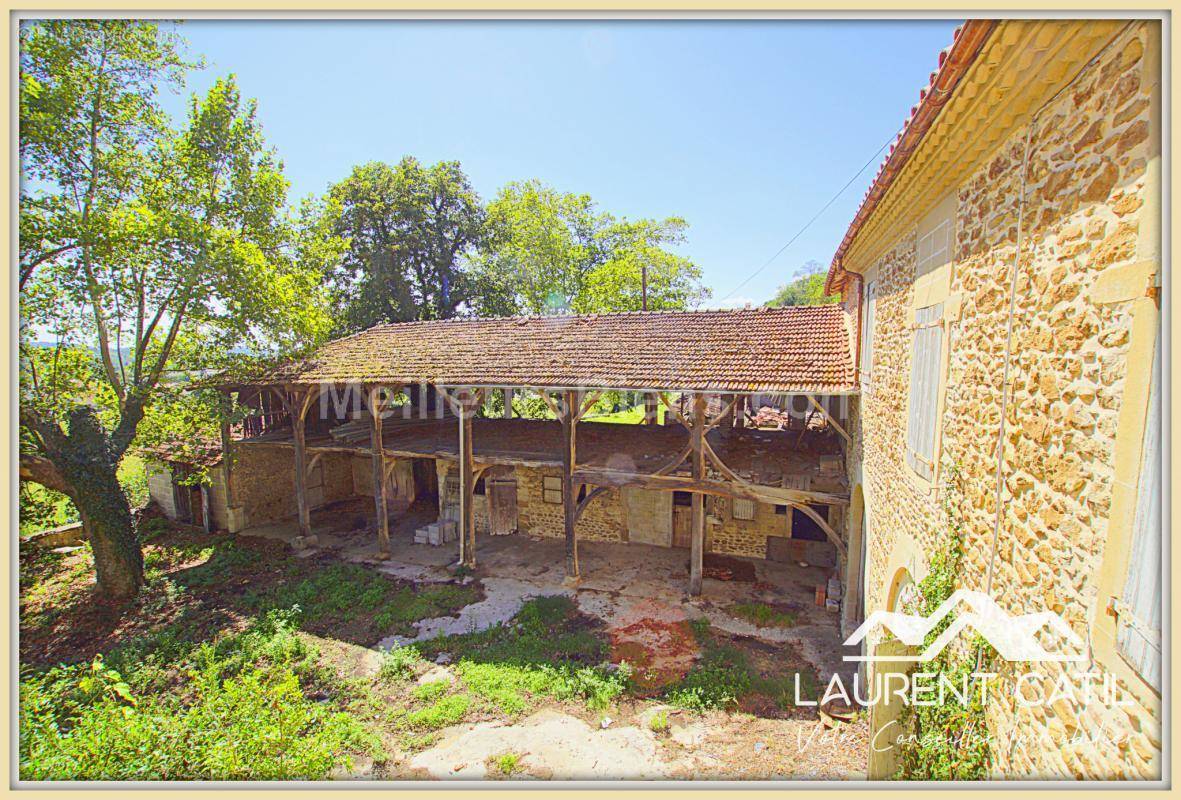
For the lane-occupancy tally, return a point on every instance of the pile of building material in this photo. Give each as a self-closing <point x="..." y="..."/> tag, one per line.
<point x="437" y="533"/>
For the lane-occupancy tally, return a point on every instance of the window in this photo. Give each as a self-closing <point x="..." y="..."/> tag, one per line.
<point x="781" y="510"/>
<point x="551" y="490"/>
<point x="871" y="302"/>
<point x="1138" y="637"/>
<point x="479" y="487"/>
<point x="934" y="248"/>
<point x="682" y="498"/>
<point x="925" y="372"/>
<point x="743" y="509"/>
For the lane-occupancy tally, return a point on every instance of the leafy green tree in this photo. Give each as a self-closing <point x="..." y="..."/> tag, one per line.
<point x="150" y="237"/>
<point x="410" y="229"/>
<point x="552" y="252"/>
<point x="806" y="290"/>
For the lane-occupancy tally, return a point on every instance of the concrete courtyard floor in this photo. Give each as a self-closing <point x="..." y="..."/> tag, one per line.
<point x="627" y="586"/>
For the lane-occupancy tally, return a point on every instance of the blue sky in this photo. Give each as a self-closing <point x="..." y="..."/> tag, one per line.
<point x="745" y="129"/>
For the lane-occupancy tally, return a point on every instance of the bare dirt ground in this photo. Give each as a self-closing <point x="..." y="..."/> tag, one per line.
<point x="631" y="598"/>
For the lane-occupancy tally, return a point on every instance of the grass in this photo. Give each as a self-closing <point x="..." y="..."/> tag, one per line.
<point x="347" y="590"/>
<point x="658" y="723"/>
<point x="547" y="649"/>
<point x="507" y="764"/>
<point x="229" y="709"/>
<point x="629" y="416"/>
<point x="763" y="615"/>
<point x="41" y="508"/>
<point x="724" y="675"/>
<point x="440" y="713"/>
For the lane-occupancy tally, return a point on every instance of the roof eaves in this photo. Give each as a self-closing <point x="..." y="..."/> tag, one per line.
<point x="954" y="61"/>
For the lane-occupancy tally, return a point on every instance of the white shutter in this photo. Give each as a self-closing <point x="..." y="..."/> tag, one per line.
<point x="871" y="296"/>
<point x="926" y="353"/>
<point x="1139" y="634"/>
<point x="743" y="508"/>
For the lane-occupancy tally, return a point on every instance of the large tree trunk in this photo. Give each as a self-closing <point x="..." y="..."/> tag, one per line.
<point x="106" y="514"/>
<point x="83" y="465"/>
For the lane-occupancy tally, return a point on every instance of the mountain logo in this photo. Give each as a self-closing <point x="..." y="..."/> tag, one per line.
<point x="1013" y="637"/>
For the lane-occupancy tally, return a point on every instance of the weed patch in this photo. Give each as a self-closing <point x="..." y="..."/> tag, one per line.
<point x="763" y="615"/>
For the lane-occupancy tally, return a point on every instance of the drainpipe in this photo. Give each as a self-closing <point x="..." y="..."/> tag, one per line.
<point x="1014" y="273"/>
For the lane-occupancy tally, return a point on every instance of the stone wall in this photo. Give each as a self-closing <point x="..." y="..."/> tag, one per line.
<point x="1081" y="210"/>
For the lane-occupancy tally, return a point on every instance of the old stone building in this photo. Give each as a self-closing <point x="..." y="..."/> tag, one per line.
<point x="1003" y="273"/>
<point x="397" y="417"/>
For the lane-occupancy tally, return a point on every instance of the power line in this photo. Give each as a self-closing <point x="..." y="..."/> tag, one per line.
<point x="807" y="225"/>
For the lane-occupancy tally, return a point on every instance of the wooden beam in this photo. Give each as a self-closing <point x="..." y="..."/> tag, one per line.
<point x="650" y="409"/>
<point x="298" y="407"/>
<point x="587" y="404"/>
<point x="586" y="501"/>
<point x="376" y="445"/>
<point x="507" y="413"/>
<point x="467" y="515"/>
<point x="830" y="419"/>
<point x="226" y="408"/>
<point x="602" y="476"/>
<point x="676" y="412"/>
<point x="697" y="542"/>
<point x="725" y="414"/>
<point x="569" y="420"/>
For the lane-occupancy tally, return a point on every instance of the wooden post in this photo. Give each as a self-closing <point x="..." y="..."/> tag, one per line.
<point x="569" y="420"/>
<point x="299" y="407"/>
<point x="740" y="411"/>
<point x="697" y="542"/>
<point x="508" y="402"/>
<point x="650" y="409"/>
<point x="226" y="407"/>
<point x="467" y="512"/>
<point x="376" y="407"/>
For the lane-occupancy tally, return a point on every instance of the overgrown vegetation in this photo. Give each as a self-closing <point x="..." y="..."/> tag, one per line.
<point x="338" y="590"/>
<point x="229" y="709"/>
<point x="763" y="615"/>
<point x="950" y="740"/>
<point x="724" y="675"/>
<point x="547" y="649"/>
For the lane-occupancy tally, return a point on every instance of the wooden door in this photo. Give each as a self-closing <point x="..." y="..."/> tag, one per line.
<point x="682" y="519"/>
<point x="502" y="506"/>
<point x="649" y="516"/>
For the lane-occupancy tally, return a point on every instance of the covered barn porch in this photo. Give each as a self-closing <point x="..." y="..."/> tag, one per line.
<point x="418" y="392"/>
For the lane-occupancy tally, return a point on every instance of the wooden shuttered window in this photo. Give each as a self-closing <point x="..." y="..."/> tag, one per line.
<point x="1139" y="633"/>
<point x="867" y="321"/>
<point x="743" y="509"/>
<point x="926" y="357"/>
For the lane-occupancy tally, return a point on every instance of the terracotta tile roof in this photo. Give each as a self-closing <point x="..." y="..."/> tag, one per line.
<point x="954" y="60"/>
<point x="750" y="350"/>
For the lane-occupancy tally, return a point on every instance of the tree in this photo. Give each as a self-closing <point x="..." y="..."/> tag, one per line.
<point x="150" y="237"/>
<point x="410" y="229"/>
<point x="807" y="289"/>
<point x="550" y="251"/>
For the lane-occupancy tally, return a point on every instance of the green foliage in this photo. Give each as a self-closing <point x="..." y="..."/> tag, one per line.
<point x="507" y="763"/>
<point x="409" y="228"/>
<point x="541" y="651"/>
<point x="763" y="615"/>
<point x="343" y="591"/>
<point x="551" y="252"/>
<point x="430" y="691"/>
<point x="806" y="290"/>
<point x="724" y="675"/>
<point x="950" y="740"/>
<point x="443" y="712"/>
<point x="658" y="722"/>
<point x="400" y="664"/>
<point x="243" y="715"/>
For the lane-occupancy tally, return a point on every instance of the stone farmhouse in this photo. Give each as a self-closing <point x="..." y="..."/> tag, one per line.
<point x="992" y="370"/>
<point x="1004" y="273"/>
